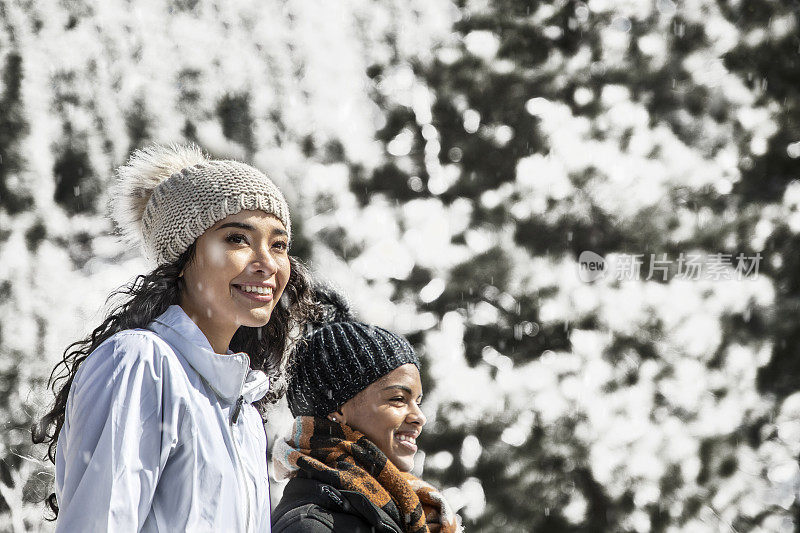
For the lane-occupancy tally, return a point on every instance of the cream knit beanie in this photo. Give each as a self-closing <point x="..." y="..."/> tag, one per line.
<point x="165" y="197"/>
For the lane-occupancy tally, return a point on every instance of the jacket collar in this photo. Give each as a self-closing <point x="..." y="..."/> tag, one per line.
<point x="229" y="375"/>
<point x="302" y="491"/>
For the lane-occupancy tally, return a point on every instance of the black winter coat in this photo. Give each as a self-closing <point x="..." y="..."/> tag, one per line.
<point x="311" y="506"/>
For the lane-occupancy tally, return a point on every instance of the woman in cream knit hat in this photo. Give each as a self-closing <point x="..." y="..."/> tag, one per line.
<point x="157" y="423"/>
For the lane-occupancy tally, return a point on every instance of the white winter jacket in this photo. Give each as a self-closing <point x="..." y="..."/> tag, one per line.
<point x="160" y="435"/>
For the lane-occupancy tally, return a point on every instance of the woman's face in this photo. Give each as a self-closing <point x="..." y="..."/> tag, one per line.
<point x="388" y="413"/>
<point x="239" y="271"/>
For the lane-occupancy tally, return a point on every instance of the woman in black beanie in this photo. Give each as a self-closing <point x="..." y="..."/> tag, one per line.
<point x="355" y="393"/>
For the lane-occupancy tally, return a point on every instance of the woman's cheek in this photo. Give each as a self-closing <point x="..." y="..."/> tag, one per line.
<point x="216" y="255"/>
<point x="285" y="267"/>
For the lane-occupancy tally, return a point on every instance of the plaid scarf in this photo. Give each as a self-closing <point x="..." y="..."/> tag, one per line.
<point x="338" y="455"/>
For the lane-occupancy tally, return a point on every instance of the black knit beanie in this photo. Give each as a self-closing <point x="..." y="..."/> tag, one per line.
<point x="340" y="358"/>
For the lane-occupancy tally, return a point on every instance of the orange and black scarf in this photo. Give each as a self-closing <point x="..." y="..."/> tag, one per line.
<point x="338" y="455"/>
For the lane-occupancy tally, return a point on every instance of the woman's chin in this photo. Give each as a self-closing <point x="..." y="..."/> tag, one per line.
<point x="256" y="318"/>
<point x="404" y="464"/>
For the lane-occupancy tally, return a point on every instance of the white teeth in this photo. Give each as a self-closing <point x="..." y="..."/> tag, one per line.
<point x="256" y="289"/>
<point x="406" y="438"/>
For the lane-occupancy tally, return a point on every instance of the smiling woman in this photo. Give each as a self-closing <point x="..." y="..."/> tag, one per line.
<point x="156" y="423"/>
<point x="356" y="393"/>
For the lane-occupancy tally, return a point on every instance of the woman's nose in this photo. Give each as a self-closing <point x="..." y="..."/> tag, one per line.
<point x="264" y="262"/>
<point x="417" y="416"/>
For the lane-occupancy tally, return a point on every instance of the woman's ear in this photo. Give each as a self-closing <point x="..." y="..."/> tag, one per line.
<point x="337" y="416"/>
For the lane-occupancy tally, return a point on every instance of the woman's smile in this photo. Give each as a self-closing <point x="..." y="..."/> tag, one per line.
<point x="258" y="293"/>
<point x="407" y="440"/>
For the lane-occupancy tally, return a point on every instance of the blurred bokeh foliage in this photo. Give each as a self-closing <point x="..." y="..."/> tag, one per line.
<point x="447" y="164"/>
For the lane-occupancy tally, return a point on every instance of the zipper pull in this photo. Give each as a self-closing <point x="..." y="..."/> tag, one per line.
<point x="236" y="410"/>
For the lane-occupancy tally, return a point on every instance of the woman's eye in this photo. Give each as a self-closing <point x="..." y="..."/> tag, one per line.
<point x="398" y="399"/>
<point x="237" y="238"/>
<point x="281" y="245"/>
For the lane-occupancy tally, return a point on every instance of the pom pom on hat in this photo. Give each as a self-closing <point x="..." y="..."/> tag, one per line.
<point x="336" y="308"/>
<point x="146" y="169"/>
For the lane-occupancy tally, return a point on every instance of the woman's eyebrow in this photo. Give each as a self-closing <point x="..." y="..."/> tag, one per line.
<point x="240" y="225"/>
<point x="248" y="227"/>
<point x="400" y="387"/>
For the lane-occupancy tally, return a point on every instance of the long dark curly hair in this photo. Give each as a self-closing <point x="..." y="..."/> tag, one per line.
<point x="147" y="297"/>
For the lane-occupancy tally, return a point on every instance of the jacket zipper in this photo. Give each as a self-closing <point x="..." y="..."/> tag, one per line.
<point x="234" y="419"/>
<point x="236" y="410"/>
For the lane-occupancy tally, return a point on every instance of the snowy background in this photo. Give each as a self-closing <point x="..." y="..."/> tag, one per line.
<point x="446" y="165"/>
